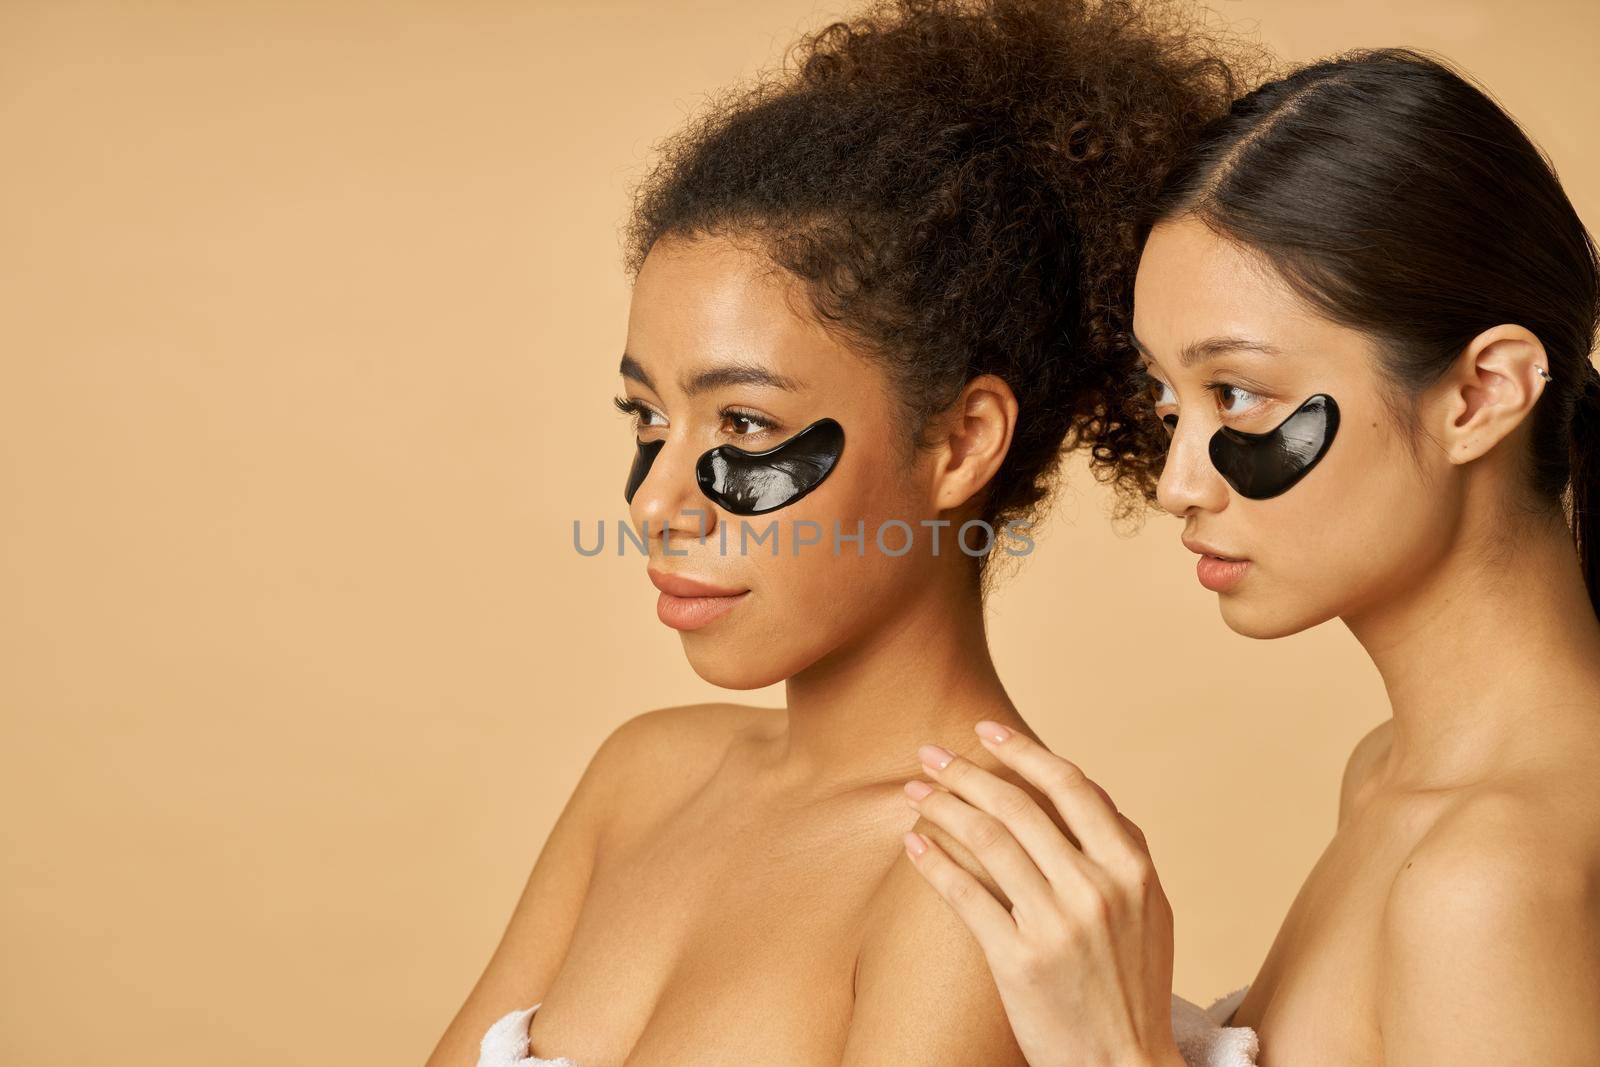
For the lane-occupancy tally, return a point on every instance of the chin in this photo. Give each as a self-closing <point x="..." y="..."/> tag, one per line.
<point x="1264" y="621"/>
<point x="732" y="667"/>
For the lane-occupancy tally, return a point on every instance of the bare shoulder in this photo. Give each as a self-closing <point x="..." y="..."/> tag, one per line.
<point x="904" y="886"/>
<point x="655" y="755"/>
<point x="924" y="991"/>
<point x="669" y="734"/>
<point x="1536" y="823"/>
<point x="1360" y="769"/>
<point x="1533" y="838"/>
<point x="1495" y="912"/>
<point x="635" y="771"/>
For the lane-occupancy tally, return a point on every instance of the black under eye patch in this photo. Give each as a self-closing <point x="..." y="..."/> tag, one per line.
<point x="751" y="483"/>
<point x="1263" y="465"/>
<point x="642" y="459"/>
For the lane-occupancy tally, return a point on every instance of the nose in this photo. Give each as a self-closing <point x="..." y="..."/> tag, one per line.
<point x="1189" y="482"/>
<point x="668" y="503"/>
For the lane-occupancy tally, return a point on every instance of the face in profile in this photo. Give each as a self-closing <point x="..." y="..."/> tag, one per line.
<point x="721" y="351"/>
<point x="1229" y="346"/>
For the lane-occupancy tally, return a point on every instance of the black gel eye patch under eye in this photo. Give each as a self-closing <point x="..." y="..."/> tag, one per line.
<point x="1263" y="465"/>
<point x="642" y="459"/>
<point x="750" y="483"/>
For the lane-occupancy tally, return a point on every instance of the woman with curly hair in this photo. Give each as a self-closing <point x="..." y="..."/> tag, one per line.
<point x="1365" y="312"/>
<point x="874" y="298"/>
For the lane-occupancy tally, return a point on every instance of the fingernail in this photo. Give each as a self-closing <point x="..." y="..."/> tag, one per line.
<point x="916" y="789"/>
<point x="935" y="757"/>
<point x="915" y="844"/>
<point x="992" y="731"/>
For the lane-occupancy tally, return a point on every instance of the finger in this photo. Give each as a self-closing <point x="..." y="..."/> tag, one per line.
<point x="989" y="922"/>
<point x="990" y="841"/>
<point x="1134" y="831"/>
<point x="1053" y="852"/>
<point x="1087" y="809"/>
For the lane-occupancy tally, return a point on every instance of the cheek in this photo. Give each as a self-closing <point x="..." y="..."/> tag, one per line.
<point x="806" y="606"/>
<point x="871" y="484"/>
<point x="844" y="575"/>
<point x="1365" y="517"/>
<point x="811" y="603"/>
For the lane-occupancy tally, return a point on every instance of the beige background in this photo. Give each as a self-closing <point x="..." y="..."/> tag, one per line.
<point x="300" y="304"/>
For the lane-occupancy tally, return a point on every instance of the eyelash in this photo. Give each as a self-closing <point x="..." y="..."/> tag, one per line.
<point x="631" y="407"/>
<point x="1214" y="387"/>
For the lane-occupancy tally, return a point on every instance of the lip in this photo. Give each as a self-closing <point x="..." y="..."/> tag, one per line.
<point x="1217" y="571"/>
<point x="1202" y="548"/>
<point x="688" y="603"/>
<point x="681" y="585"/>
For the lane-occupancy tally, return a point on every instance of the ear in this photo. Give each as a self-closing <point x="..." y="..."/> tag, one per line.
<point x="1488" y="392"/>
<point x="974" y="437"/>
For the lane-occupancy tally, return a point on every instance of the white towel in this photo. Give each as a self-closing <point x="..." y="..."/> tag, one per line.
<point x="506" y="1043"/>
<point x="1205" y="1041"/>
<point x="1202" y="1038"/>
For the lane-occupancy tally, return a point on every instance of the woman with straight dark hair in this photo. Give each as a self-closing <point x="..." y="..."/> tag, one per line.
<point x="1365" y="311"/>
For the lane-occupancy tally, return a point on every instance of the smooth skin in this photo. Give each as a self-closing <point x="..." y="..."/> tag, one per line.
<point x="1083" y="958"/>
<point x="726" y="884"/>
<point x="1454" y="917"/>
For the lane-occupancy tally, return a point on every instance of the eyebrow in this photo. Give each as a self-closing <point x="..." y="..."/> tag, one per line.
<point x="1212" y="347"/>
<point x="713" y="377"/>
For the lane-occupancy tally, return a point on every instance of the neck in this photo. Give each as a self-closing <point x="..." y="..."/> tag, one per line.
<point x="921" y="675"/>
<point x="1480" y="654"/>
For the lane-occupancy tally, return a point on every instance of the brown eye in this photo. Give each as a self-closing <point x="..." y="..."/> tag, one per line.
<point x="639" y="416"/>
<point x="1235" y="401"/>
<point x="1161" y="393"/>
<point x="743" y="423"/>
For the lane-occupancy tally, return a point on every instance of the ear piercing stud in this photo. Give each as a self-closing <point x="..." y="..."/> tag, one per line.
<point x="1543" y="373"/>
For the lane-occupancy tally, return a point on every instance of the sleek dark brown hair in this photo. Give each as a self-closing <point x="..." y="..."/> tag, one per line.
<point x="959" y="183"/>
<point x="1397" y="198"/>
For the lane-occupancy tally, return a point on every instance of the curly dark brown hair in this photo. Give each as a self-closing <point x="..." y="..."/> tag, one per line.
<point x="959" y="183"/>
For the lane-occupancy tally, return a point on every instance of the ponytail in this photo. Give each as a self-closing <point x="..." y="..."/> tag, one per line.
<point x="1584" y="492"/>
